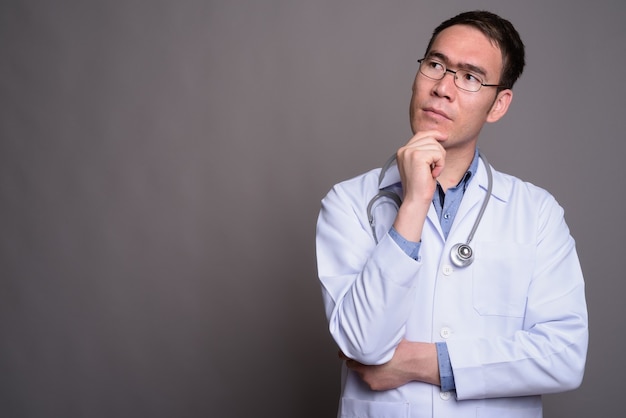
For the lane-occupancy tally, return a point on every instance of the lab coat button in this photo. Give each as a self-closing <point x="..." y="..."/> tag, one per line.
<point x="447" y="270"/>
<point x="444" y="395"/>
<point x="445" y="332"/>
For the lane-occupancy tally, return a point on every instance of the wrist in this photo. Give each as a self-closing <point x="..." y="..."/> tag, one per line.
<point x="423" y="364"/>
<point x="410" y="221"/>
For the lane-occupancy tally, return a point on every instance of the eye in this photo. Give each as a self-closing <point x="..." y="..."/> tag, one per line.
<point x="470" y="78"/>
<point x="435" y="65"/>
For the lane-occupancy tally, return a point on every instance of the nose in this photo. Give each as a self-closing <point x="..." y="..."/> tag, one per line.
<point x="445" y="87"/>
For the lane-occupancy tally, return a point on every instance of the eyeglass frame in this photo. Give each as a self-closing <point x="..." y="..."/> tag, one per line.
<point x="453" y="72"/>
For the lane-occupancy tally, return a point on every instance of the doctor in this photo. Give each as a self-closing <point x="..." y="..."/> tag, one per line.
<point x="422" y="333"/>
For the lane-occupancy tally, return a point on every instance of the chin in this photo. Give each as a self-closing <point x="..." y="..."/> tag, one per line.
<point x="428" y="126"/>
<point x="426" y="123"/>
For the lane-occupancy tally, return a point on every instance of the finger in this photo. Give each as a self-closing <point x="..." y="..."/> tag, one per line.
<point x="430" y="135"/>
<point x="428" y="152"/>
<point x="437" y="167"/>
<point x="353" y="364"/>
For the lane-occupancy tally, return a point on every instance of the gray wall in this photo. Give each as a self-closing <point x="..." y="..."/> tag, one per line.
<point x="161" y="166"/>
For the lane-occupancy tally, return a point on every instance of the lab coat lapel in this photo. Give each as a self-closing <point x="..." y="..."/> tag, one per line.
<point x="470" y="205"/>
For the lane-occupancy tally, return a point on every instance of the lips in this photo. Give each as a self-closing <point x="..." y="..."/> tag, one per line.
<point x="436" y="113"/>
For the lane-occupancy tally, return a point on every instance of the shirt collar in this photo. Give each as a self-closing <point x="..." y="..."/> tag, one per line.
<point x="461" y="186"/>
<point x="469" y="174"/>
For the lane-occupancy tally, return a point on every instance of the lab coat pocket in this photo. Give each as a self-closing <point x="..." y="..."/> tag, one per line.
<point x="502" y="273"/>
<point x="356" y="408"/>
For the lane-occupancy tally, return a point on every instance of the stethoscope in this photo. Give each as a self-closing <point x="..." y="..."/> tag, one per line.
<point x="461" y="254"/>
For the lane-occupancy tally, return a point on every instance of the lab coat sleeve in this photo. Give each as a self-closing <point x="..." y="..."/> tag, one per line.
<point x="367" y="289"/>
<point x="548" y="354"/>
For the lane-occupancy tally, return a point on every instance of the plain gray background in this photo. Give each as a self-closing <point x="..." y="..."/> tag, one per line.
<point x="161" y="167"/>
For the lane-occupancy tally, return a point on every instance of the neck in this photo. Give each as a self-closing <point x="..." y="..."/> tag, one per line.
<point x="456" y="166"/>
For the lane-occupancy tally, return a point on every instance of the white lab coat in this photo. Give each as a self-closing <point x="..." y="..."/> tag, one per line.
<point x="515" y="321"/>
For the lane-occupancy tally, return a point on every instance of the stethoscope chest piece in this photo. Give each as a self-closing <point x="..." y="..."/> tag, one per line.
<point x="462" y="255"/>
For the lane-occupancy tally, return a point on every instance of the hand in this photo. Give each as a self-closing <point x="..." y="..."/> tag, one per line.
<point x="412" y="361"/>
<point x="420" y="162"/>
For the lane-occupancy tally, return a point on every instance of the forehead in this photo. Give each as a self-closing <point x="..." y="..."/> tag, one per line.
<point x="466" y="46"/>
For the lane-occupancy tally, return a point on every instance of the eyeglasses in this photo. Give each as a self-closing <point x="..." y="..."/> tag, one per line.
<point x="465" y="80"/>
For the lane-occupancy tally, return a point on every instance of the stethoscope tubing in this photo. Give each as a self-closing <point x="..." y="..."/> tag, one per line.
<point x="462" y="255"/>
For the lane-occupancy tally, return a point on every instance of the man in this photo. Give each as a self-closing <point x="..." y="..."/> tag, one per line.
<point x="428" y="329"/>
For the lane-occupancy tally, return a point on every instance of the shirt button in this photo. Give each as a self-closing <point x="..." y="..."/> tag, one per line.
<point x="446" y="216"/>
<point x="444" y="395"/>
<point x="445" y="332"/>
<point x="447" y="270"/>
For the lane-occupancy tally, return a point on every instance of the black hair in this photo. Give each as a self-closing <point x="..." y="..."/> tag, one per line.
<point x="498" y="30"/>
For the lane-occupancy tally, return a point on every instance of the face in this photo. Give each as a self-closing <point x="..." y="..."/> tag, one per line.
<point x="439" y="105"/>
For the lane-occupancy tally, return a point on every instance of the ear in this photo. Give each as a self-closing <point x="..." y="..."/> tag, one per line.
<point x="500" y="105"/>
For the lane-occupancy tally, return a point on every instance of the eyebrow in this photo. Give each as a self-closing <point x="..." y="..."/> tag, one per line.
<point x="463" y="66"/>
